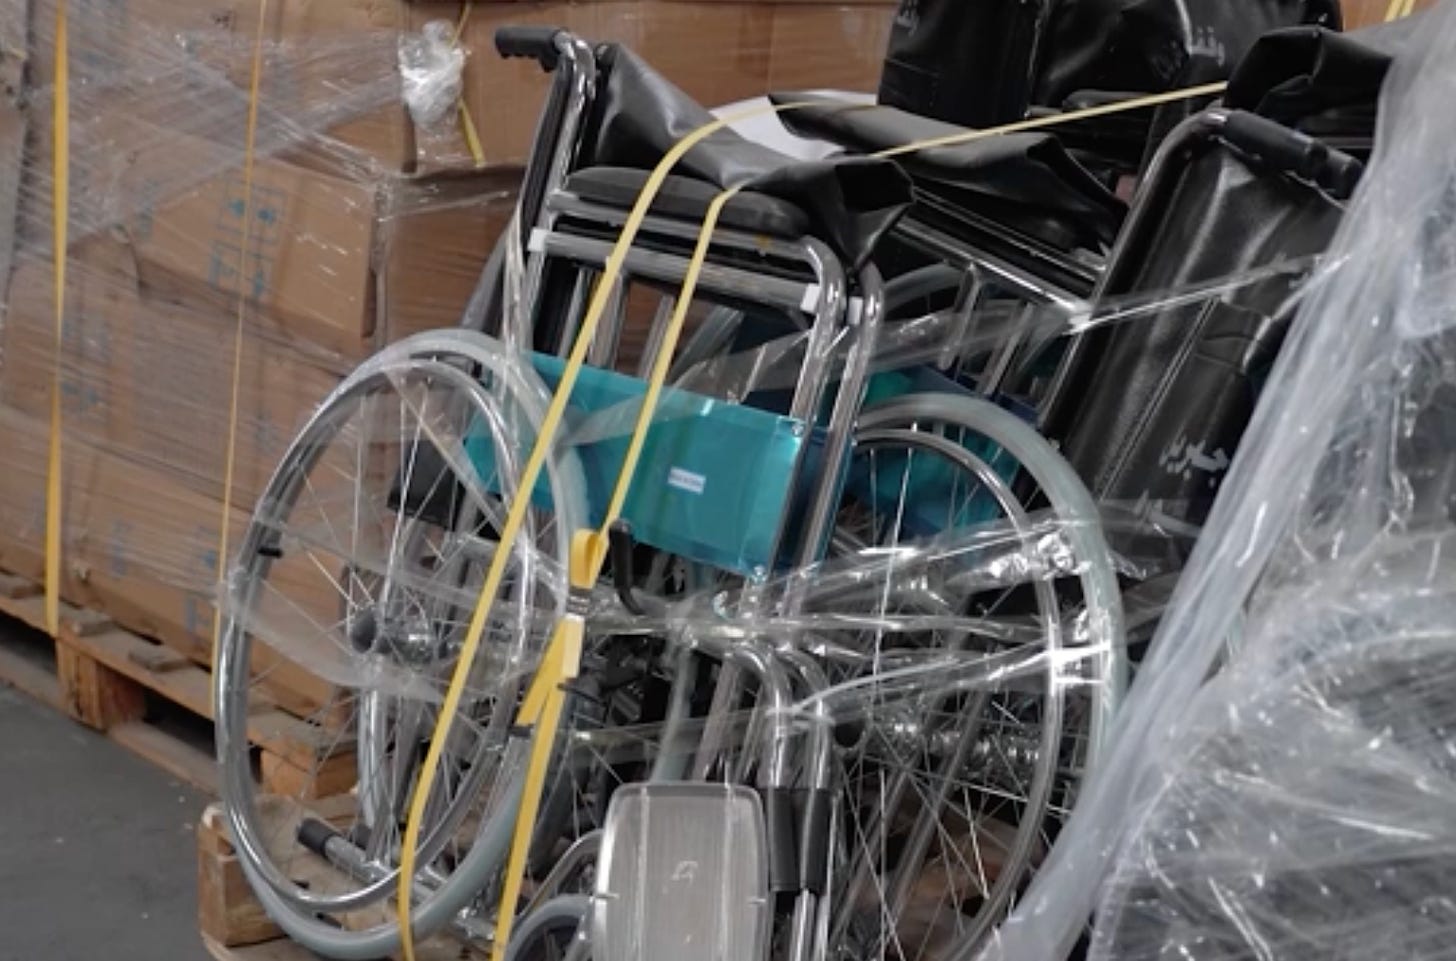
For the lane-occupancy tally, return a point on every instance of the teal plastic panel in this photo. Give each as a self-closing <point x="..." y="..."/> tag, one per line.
<point x="715" y="479"/>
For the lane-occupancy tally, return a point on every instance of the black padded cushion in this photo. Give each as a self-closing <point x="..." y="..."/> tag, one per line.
<point x="1293" y="74"/>
<point x="1020" y="178"/>
<point x="851" y="202"/>
<point x="688" y="199"/>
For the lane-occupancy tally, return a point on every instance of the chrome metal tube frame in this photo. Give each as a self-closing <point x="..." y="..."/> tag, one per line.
<point x="826" y="300"/>
<point x="852" y="385"/>
<point x="993" y="270"/>
<point x="577" y="69"/>
<point x="1165" y="165"/>
<point x="668" y="268"/>
<point x="776" y="769"/>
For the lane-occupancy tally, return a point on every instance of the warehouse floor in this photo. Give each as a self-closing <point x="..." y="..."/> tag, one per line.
<point x="98" y="856"/>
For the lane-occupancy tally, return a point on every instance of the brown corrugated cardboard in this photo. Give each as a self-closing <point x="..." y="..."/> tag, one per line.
<point x="839" y="49"/>
<point x="436" y="240"/>
<point x="1365" y="13"/>
<point x="309" y="251"/>
<point x="151" y="382"/>
<point x="137" y="546"/>
<point x="718" y="51"/>
<point x="330" y="59"/>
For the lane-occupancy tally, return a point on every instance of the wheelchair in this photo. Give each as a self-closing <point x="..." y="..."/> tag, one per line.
<point x="859" y="594"/>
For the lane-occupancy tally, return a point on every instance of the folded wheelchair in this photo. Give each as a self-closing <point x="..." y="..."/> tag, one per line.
<point x="865" y="627"/>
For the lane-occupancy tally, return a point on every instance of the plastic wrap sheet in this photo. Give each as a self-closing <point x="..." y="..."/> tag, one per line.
<point x="1298" y="805"/>
<point x="891" y="626"/>
<point x="363" y="229"/>
<point x="830" y="610"/>
<point x="942" y="337"/>
<point x="345" y="251"/>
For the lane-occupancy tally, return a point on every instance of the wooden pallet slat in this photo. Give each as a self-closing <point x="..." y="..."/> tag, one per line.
<point x="94" y="694"/>
<point x="233" y="924"/>
<point x="227" y="912"/>
<point x="104" y="677"/>
<point x="104" y="674"/>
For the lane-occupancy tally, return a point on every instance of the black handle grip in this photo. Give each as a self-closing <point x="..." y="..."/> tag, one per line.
<point x="536" y="43"/>
<point x="1292" y="151"/>
<point x="1284" y="148"/>
<point x="815" y="840"/>
<point x="1342" y="174"/>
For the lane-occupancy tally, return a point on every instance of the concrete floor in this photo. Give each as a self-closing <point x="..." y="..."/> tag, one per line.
<point x="98" y="856"/>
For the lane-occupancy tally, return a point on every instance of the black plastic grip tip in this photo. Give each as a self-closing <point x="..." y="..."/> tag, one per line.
<point x="619" y="543"/>
<point x="1277" y="144"/>
<point x="1342" y="174"/>
<point x="535" y="43"/>
<point x="783" y="848"/>
<point x="315" y="835"/>
<point x="814" y="841"/>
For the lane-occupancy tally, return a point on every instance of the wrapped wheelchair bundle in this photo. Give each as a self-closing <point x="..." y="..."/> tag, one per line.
<point x="1295" y="804"/>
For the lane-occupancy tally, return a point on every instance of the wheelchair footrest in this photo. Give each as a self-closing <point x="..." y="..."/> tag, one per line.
<point x="683" y="874"/>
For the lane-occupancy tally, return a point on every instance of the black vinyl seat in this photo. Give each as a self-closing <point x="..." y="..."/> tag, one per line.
<point x="1026" y="180"/>
<point x="847" y="202"/>
<point x="687" y="198"/>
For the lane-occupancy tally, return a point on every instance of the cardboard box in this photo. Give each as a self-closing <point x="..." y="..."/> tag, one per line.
<point x="152" y="382"/>
<point x="339" y="58"/>
<point x="137" y="546"/>
<point x="838" y="49"/>
<point x="436" y="240"/>
<point x="308" y="258"/>
<point x="334" y="267"/>
<point x="336" y="264"/>
<point x="177" y="200"/>
<point x="329" y="67"/>
<point x="1365" y="13"/>
<point x="331" y="64"/>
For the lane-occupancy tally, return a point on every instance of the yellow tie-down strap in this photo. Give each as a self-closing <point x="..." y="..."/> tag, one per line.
<point x="250" y="135"/>
<point x="1399" y="9"/>
<point x="60" y="218"/>
<point x="587" y="557"/>
<point x="545" y="700"/>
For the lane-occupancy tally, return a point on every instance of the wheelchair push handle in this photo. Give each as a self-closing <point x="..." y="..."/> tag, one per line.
<point x="1294" y="152"/>
<point x="535" y="43"/>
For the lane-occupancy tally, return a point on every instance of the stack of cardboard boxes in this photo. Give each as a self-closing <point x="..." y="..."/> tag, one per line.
<point x="363" y="228"/>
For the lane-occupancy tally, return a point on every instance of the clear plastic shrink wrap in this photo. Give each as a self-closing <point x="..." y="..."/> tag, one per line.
<point x="1280" y="784"/>
<point x="364" y="228"/>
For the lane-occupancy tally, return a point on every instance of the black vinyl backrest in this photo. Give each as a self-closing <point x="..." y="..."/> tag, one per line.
<point x="1162" y="400"/>
<point x="1295" y="74"/>
<point x="980" y="63"/>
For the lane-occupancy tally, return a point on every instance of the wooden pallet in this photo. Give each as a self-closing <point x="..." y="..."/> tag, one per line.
<point x="107" y="677"/>
<point x="233" y="924"/>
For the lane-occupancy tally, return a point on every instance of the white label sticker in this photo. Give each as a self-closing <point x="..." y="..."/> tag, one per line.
<point x="686" y="480"/>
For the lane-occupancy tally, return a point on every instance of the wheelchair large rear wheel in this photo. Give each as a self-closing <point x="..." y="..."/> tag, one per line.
<point x="358" y="573"/>
<point x="954" y="795"/>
